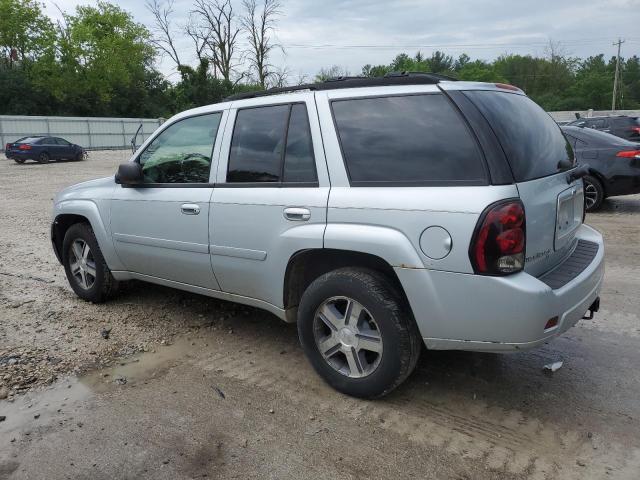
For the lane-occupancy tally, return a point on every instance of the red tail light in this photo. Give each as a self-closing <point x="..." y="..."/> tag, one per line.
<point x="635" y="129"/>
<point x="499" y="241"/>
<point x="6" y="147"/>
<point x="629" y="154"/>
<point x="24" y="146"/>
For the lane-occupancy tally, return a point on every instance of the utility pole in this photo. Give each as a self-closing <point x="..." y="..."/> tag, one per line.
<point x="615" y="80"/>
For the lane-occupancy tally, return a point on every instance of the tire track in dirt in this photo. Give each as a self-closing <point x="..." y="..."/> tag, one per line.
<point x="501" y="440"/>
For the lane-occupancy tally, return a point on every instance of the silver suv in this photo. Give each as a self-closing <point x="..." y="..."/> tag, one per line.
<point x="377" y="214"/>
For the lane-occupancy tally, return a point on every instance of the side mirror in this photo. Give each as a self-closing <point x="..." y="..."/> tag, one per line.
<point x="129" y="173"/>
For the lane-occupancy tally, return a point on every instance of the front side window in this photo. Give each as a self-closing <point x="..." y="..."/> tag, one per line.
<point x="272" y="145"/>
<point x="409" y="140"/>
<point x="182" y="152"/>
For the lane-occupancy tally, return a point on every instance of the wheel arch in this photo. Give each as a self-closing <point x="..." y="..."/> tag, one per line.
<point x="59" y="228"/>
<point x="603" y="182"/>
<point x="305" y="266"/>
<point x="70" y="212"/>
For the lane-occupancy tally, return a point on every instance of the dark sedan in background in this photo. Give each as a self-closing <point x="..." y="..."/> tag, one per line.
<point x="621" y="126"/>
<point x="614" y="164"/>
<point x="42" y="149"/>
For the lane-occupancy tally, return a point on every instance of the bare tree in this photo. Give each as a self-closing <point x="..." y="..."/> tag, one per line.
<point x="331" y="72"/>
<point x="199" y="36"/>
<point x="163" y="32"/>
<point x="278" y="78"/>
<point x="259" y="22"/>
<point x="217" y="27"/>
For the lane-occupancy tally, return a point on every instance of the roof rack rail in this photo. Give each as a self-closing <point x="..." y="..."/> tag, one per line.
<point x="391" y="78"/>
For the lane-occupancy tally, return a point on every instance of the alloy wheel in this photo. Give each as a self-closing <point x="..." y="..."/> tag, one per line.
<point x="347" y="336"/>
<point x="590" y="194"/>
<point x="82" y="264"/>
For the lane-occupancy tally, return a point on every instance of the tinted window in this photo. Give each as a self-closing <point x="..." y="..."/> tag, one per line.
<point x="30" y="140"/>
<point x="182" y="152"/>
<point x="299" y="163"/>
<point x="413" y="139"/>
<point x="257" y="145"/>
<point x="62" y="141"/>
<point x="530" y="138"/>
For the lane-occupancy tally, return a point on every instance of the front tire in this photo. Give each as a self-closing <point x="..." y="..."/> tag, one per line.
<point x="593" y="193"/>
<point x="86" y="269"/>
<point x="43" y="157"/>
<point x="357" y="332"/>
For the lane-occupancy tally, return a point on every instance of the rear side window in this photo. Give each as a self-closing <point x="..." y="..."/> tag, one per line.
<point x="410" y="140"/>
<point x="272" y="144"/>
<point x="532" y="141"/>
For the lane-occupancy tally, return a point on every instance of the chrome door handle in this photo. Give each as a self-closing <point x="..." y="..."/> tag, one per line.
<point x="297" y="214"/>
<point x="190" y="209"/>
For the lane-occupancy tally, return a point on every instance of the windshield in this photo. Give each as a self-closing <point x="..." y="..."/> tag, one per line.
<point x="530" y="138"/>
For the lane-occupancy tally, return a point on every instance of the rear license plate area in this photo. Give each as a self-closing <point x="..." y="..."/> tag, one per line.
<point x="569" y="215"/>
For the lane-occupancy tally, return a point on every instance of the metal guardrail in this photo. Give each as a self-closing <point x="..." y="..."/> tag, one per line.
<point x="92" y="133"/>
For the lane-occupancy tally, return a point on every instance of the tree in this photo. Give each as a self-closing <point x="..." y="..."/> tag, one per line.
<point x="163" y="32"/>
<point x="259" y="24"/>
<point x="103" y="60"/>
<point x="332" y="72"/>
<point x="218" y="28"/>
<point x="25" y="32"/>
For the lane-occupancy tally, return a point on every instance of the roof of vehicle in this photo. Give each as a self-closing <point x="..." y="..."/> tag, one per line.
<point x="599" y="117"/>
<point x="596" y="137"/>
<point x="390" y="79"/>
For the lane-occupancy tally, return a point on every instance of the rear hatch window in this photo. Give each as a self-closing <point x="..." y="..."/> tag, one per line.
<point x="531" y="139"/>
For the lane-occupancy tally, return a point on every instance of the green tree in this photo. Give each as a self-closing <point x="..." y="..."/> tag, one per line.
<point x="25" y="32"/>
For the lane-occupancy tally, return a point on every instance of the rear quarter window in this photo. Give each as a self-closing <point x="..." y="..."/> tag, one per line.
<point x="531" y="139"/>
<point x="407" y="140"/>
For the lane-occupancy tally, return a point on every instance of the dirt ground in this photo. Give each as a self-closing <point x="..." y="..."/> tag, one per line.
<point x="190" y="387"/>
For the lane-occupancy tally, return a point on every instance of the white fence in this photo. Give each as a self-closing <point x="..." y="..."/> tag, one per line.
<point x="93" y="133"/>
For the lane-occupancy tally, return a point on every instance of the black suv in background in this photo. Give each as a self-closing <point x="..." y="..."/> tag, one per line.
<point x="621" y="126"/>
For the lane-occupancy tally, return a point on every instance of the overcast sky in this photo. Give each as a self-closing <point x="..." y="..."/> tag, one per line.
<point x="352" y="33"/>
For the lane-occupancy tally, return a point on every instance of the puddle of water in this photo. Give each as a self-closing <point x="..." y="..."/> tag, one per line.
<point x="59" y="401"/>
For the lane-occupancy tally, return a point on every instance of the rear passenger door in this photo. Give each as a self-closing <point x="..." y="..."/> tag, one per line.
<point x="271" y="194"/>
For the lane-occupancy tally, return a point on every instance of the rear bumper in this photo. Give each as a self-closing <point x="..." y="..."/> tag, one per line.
<point x="20" y="155"/>
<point x="456" y="311"/>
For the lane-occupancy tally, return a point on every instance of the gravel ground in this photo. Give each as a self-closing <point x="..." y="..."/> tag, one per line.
<point x="185" y="386"/>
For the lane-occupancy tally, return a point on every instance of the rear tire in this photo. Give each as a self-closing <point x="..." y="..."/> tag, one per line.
<point x="43" y="157"/>
<point x="371" y="352"/>
<point x="86" y="269"/>
<point x="593" y="193"/>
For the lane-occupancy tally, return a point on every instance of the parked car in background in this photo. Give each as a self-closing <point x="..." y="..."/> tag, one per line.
<point x="621" y="125"/>
<point x="440" y="191"/>
<point x="614" y="164"/>
<point x="42" y="149"/>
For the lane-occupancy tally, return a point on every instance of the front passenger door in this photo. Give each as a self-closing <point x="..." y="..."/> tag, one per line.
<point x="160" y="228"/>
